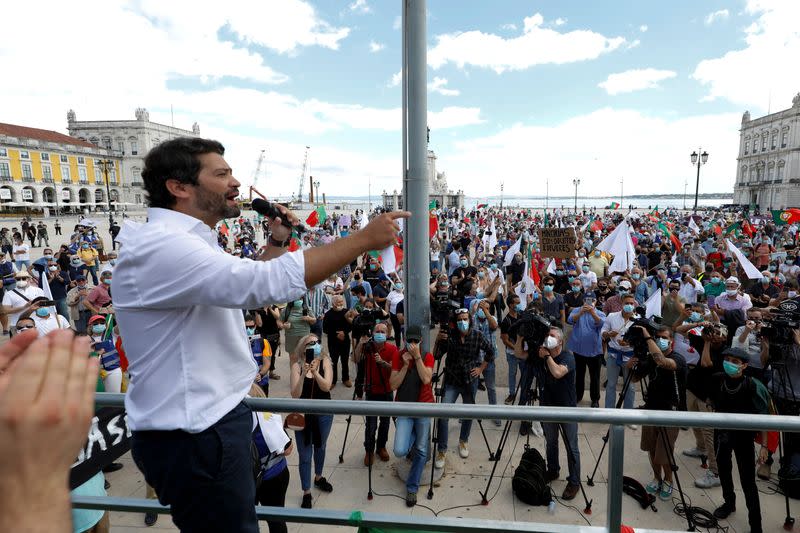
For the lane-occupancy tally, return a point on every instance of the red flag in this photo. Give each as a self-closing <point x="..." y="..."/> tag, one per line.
<point x="313" y="218"/>
<point x="597" y="225"/>
<point x="433" y="225"/>
<point x="747" y="228"/>
<point x="294" y="245"/>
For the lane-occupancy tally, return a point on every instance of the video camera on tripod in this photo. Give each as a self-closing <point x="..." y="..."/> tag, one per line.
<point x="443" y="309"/>
<point x="364" y="323"/>
<point x="779" y="329"/>
<point x="533" y="328"/>
<point x="637" y="340"/>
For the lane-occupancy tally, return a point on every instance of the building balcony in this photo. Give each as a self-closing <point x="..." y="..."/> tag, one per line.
<point x="6" y="178"/>
<point x="48" y="180"/>
<point x="84" y="182"/>
<point x="27" y="179"/>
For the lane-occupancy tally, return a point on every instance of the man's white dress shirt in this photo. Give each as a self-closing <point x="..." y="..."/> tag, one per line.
<point x="178" y="298"/>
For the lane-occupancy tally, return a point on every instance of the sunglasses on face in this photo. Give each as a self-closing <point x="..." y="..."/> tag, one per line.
<point x="23" y="328"/>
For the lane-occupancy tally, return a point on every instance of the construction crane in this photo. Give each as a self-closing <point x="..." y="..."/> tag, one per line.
<point x="257" y="173"/>
<point x="303" y="176"/>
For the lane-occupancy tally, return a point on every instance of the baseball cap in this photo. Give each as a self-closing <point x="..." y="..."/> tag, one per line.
<point x="414" y="333"/>
<point x="97" y="318"/>
<point x="22" y="274"/>
<point x="738" y="353"/>
<point x="625" y="284"/>
<point x="80" y="278"/>
<point x="733" y="279"/>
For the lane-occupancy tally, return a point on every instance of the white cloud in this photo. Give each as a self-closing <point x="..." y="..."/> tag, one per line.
<point x="634" y="44"/>
<point x="643" y="28"/>
<point x="655" y="158"/>
<point x="397" y="77"/>
<point x="376" y="47"/>
<point x="749" y="76"/>
<point x="438" y="85"/>
<point x="537" y="45"/>
<point x="360" y="6"/>
<point x="508" y="26"/>
<point x="560" y="22"/>
<point x="722" y="14"/>
<point x="635" y="80"/>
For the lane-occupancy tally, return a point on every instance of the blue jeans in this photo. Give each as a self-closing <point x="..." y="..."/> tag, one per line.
<point x="434" y="265"/>
<point x="551" y="434"/>
<point x="93" y="272"/>
<point x="488" y="379"/>
<point x="451" y="394"/>
<point x="316" y="328"/>
<point x="62" y="307"/>
<point x="513" y="364"/>
<point x="21" y="263"/>
<point x="305" y="448"/>
<point x="613" y="370"/>
<point x="414" y="432"/>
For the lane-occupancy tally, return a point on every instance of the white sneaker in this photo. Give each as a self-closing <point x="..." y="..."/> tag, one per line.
<point x="710" y="479"/>
<point x="536" y="429"/>
<point x="463" y="449"/>
<point x="694" y="452"/>
<point x="440" y="457"/>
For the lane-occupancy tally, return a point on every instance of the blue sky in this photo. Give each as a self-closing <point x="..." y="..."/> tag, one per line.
<point x="519" y="91"/>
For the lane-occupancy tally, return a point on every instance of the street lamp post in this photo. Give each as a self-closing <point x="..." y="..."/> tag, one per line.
<point x="501" y="195"/>
<point x="622" y="193"/>
<point x="105" y="163"/>
<point x="698" y="159"/>
<point x="576" y="182"/>
<point x="316" y="192"/>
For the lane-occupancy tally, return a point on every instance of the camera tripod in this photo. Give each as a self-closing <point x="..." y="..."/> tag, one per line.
<point x="662" y="432"/>
<point x="784" y="380"/>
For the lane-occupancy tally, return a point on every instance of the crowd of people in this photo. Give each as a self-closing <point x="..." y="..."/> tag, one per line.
<point x="336" y="309"/>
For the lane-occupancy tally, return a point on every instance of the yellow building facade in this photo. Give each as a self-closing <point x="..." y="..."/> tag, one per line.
<point x="43" y="169"/>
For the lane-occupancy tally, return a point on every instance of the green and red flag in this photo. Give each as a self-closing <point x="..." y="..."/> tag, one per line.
<point x="294" y="242"/>
<point x="481" y="206"/>
<point x="614" y="205"/>
<point x="735" y="228"/>
<point x="533" y="272"/>
<point x="433" y="225"/>
<point x="317" y="217"/>
<point x="596" y="225"/>
<point x="654" y="212"/>
<point x="668" y="233"/>
<point x="786" y="216"/>
<point x="224" y="229"/>
<point x="748" y="228"/>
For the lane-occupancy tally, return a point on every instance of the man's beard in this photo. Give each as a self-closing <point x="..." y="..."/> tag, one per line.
<point x="215" y="204"/>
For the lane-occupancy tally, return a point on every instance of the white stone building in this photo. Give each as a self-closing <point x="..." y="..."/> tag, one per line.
<point x="437" y="190"/>
<point x="129" y="139"/>
<point x="768" y="170"/>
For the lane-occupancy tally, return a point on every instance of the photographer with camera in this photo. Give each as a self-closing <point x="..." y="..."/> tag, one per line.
<point x="667" y="372"/>
<point x="463" y="367"/>
<point x="748" y="339"/>
<point x="377" y="355"/>
<point x="485" y="323"/>
<point x="586" y="345"/>
<point x="508" y="336"/>
<point x="733" y="392"/>
<point x="619" y="352"/>
<point x="558" y="390"/>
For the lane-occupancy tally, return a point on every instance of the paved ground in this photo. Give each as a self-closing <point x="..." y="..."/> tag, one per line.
<point x="465" y="478"/>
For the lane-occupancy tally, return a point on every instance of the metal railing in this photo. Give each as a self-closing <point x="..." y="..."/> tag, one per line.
<point x="617" y="418"/>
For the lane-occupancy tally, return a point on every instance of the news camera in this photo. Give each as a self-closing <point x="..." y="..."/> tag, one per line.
<point x="443" y="309"/>
<point x="364" y="323"/>
<point x="533" y="328"/>
<point x="636" y="339"/>
<point x="778" y="329"/>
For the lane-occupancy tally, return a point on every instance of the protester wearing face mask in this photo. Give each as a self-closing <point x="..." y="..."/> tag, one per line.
<point x="619" y="352"/>
<point x="454" y="259"/>
<point x="553" y="304"/>
<point x="613" y="304"/>
<point x="665" y="392"/>
<point x="89" y="257"/>
<point x="337" y="325"/>
<point x="463" y="347"/>
<point x="639" y="289"/>
<point x="732" y="300"/>
<point x="562" y="281"/>
<point x="484" y="322"/>
<point x="99" y="299"/>
<point x="508" y="336"/>
<point x="312" y="381"/>
<point x="377" y="355"/>
<point x="394" y="306"/>
<point x="102" y="342"/>
<point x="587" y="278"/>
<point x="690" y="287"/>
<point x="21" y="254"/>
<point x="764" y="290"/>
<point x="598" y="264"/>
<point x="732" y="392"/>
<point x="411" y="379"/>
<point x="7" y="271"/>
<point x="262" y="353"/>
<point x="713" y="286"/>
<point x="373" y="272"/>
<point x="77" y="268"/>
<point x="19" y="300"/>
<point x="514" y="272"/>
<point x="586" y="345"/>
<point x="789" y="267"/>
<point x="46" y="318"/>
<point x="604" y="291"/>
<point x="558" y="390"/>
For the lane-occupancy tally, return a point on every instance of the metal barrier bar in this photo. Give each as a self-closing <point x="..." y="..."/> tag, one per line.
<point x="616" y="458"/>
<point x="348" y="518"/>
<point x="503" y="412"/>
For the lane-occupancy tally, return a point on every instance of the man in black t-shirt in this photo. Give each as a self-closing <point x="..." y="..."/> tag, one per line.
<point x="508" y="337"/>
<point x="269" y="326"/>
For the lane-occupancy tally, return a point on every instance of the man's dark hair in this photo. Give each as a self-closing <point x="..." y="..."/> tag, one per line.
<point x="249" y="318"/>
<point x="510" y="299"/>
<point x="174" y="159"/>
<point x="358" y="290"/>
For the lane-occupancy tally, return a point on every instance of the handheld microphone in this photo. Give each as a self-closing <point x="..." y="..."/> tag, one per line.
<point x="265" y="208"/>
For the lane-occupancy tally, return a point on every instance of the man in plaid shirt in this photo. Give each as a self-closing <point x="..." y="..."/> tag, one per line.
<point x="463" y="367"/>
<point x="318" y="305"/>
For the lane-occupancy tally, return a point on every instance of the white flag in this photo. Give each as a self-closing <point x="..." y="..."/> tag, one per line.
<point x="493" y="236"/>
<point x="749" y="268"/>
<point x="653" y="304"/>
<point x="388" y="259"/>
<point x="620" y="245"/>
<point x="514" y="249"/>
<point x="551" y="268"/>
<point x="693" y="226"/>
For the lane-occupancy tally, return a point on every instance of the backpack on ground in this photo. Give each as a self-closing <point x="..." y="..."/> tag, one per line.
<point x="529" y="482"/>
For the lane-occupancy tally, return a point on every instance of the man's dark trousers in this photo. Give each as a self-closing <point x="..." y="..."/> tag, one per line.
<point x="206" y="477"/>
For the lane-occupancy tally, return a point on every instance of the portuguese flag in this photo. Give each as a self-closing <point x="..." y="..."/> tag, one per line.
<point x="614" y="205"/>
<point x="668" y="233"/>
<point x="224" y="229"/>
<point x="654" y="212"/>
<point x="481" y="206"/>
<point x="748" y="228"/>
<point x="786" y="216"/>
<point x="735" y="228"/>
<point x="317" y="216"/>
<point x="294" y="242"/>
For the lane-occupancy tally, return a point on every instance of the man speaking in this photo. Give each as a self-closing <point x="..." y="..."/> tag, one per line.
<point x="178" y="299"/>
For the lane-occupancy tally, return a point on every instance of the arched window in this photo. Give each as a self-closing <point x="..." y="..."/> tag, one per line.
<point x="107" y="143"/>
<point x="95" y="141"/>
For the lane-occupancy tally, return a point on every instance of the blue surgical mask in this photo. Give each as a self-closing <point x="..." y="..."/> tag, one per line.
<point x="42" y="312"/>
<point x="399" y="286"/>
<point x="298" y="303"/>
<point x="380" y="338"/>
<point x="480" y="314"/>
<point x="318" y="349"/>
<point x="548" y="288"/>
<point x="662" y="344"/>
<point x="535" y="296"/>
<point x="627" y="308"/>
<point x="107" y="281"/>
<point x="373" y="267"/>
<point x="730" y="368"/>
<point x="764" y="279"/>
<point x="559" y="272"/>
<point x="98" y="329"/>
<point x="48" y="257"/>
<point x="463" y="325"/>
<point x="251" y="331"/>
<point x="481" y="274"/>
<point x="622" y="292"/>
<point x="493" y="266"/>
<point x="575" y="288"/>
<point x="695" y="317"/>
<point x="480" y="295"/>
<point x="636" y="276"/>
<point x="464" y="263"/>
<point x="597" y="254"/>
<point x="715" y="280"/>
<point x="585" y="268"/>
<point x="520" y="307"/>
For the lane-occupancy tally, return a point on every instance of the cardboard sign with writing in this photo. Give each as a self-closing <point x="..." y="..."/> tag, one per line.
<point x="557" y="242"/>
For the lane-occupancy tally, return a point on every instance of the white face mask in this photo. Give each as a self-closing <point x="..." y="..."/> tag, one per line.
<point x="550" y="342"/>
<point x="731" y="292"/>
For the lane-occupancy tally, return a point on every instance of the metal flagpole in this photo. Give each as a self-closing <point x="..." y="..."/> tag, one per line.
<point x="417" y="255"/>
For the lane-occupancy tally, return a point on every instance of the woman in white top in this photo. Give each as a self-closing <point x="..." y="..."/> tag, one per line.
<point x="394" y="298"/>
